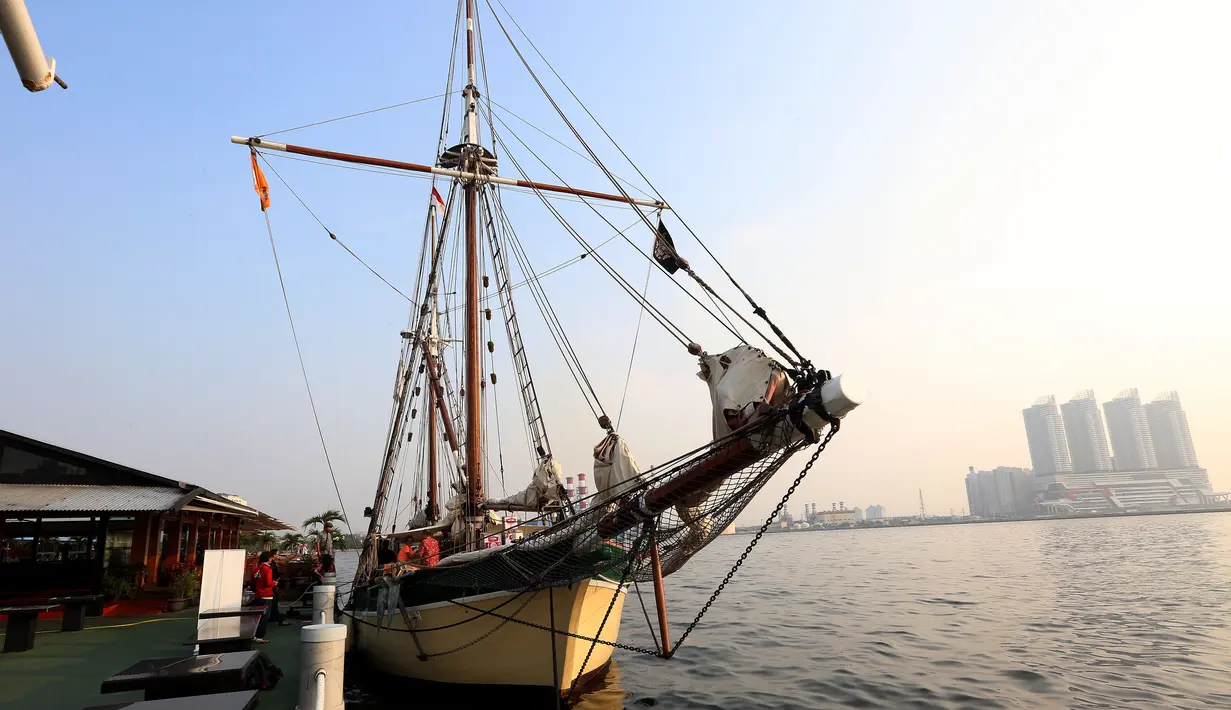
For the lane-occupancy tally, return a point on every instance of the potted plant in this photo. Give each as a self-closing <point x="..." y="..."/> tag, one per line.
<point x="184" y="586"/>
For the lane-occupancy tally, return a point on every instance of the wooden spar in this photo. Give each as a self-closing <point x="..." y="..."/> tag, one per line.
<point x="438" y="395"/>
<point x="699" y="476"/>
<point x="660" y="599"/>
<point x="459" y="174"/>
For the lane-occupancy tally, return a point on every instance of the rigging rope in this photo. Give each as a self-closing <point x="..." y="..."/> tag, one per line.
<point x="328" y="231"/>
<point x="673" y="329"/>
<point x="352" y="115"/>
<point x="302" y="368"/>
<point x="633" y="354"/>
<point x="559" y="335"/>
<point x="615" y="182"/>
<point x="653" y="262"/>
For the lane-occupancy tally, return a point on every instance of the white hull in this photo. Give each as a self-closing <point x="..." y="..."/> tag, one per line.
<point x="501" y="652"/>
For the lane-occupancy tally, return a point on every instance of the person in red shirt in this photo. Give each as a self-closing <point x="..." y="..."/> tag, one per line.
<point x="263" y="594"/>
<point x="429" y="551"/>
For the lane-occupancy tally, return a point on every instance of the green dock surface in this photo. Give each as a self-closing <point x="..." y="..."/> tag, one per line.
<point x="64" y="670"/>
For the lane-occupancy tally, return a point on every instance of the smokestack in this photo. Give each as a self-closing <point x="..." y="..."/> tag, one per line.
<point x="841" y="505"/>
<point x="568" y="486"/>
<point x="581" y="490"/>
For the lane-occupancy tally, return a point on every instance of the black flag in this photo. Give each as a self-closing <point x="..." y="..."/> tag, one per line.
<point x="664" y="250"/>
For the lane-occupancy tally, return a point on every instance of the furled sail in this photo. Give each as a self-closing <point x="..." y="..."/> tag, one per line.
<point x="545" y="488"/>
<point x="615" y="469"/>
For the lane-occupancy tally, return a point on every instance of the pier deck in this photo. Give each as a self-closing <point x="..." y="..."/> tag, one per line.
<point x="64" y="670"/>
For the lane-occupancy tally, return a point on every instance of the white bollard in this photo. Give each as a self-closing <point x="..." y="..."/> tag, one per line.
<point x="322" y="662"/>
<point x="323" y="596"/>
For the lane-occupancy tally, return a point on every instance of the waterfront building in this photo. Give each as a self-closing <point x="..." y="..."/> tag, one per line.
<point x="1129" y="428"/>
<point x="1123" y="491"/>
<point x="1087" y="438"/>
<point x="68" y="519"/>
<point x="876" y="512"/>
<point x="1049" y="448"/>
<point x="1173" y="442"/>
<point x="1003" y="492"/>
<point x="858" y="514"/>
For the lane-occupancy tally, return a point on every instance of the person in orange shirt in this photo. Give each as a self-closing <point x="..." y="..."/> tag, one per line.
<point x="407" y="553"/>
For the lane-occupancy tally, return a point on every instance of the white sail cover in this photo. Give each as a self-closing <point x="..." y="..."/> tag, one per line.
<point x="615" y="469"/>
<point x="738" y="380"/>
<point x="544" y="489"/>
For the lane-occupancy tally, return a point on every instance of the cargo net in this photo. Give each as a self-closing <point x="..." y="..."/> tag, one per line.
<point x="680" y="507"/>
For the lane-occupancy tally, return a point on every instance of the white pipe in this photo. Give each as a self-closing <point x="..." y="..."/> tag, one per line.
<point x="36" y="71"/>
<point x="322" y="667"/>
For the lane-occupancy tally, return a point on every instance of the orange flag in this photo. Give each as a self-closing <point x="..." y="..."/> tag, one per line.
<point x="259" y="184"/>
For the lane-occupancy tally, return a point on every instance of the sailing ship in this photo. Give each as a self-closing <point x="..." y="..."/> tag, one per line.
<point x="544" y="609"/>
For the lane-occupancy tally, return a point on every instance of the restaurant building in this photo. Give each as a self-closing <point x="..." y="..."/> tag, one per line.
<point x="68" y="520"/>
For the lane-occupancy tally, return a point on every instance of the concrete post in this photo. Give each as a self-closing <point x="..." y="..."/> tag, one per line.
<point x="323" y="597"/>
<point x="322" y="660"/>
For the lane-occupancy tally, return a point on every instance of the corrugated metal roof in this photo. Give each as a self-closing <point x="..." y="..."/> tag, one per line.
<point x="31" y="498"/>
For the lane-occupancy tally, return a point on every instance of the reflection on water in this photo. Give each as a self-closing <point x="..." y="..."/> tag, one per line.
<point x="1086" y="613"/>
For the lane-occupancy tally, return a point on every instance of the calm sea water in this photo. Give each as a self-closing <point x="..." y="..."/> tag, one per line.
<point x="1113" y="613"/>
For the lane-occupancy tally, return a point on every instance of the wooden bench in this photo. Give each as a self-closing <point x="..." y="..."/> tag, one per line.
<point x="242" y="700"/>
<point x="187" y="676"/>
<point x="225" y="635"/>
<point x="75" y="608"/>
<point x="23" y="621"/>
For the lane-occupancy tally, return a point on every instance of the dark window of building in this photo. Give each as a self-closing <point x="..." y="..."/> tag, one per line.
<point x="19" y="466"/>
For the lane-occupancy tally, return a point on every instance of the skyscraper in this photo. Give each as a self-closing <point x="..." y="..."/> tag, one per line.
<point x="1130" y="432"/>
<point x="1173" y="442"/>
<point x="1083" y="425"/>
<point x="1049" y="449"/>
<point x="1004" y="492"/>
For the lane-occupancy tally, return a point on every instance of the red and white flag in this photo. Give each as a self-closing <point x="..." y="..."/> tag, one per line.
<point x="438" y="203"/>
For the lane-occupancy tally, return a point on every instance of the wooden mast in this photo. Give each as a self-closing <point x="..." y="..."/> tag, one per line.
<point x="472" y="154"/>
<point x="433" y="506"/>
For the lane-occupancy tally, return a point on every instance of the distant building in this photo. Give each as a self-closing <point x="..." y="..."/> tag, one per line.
<point x="876" y="512"/>
<point x="830" y="518"/>
<point x="1003" y="492"/>
<point x="1083" y="427"/>
<point x="1129" y="428"/>
<point x="1173" y="442"/>
<point x="1049" y="448"/>
<point x="1123" y="491"/>
<point x="858" y="514"/>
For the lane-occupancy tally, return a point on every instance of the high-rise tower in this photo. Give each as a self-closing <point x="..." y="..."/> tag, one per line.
<point x="1083" y="426"/>
<point x="1173" y="442"/>
<point x="1049" y="448"/>
<point x="1130" y="432"/>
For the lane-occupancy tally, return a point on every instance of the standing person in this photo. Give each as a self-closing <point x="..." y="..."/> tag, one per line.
<point x="429" y="550"/>
<point x="275" y="612"/>
<point x="263" y="594"/>
<point x="324" y="549"/>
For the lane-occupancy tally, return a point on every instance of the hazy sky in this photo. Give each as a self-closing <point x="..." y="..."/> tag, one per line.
<point x="967" y="204"/>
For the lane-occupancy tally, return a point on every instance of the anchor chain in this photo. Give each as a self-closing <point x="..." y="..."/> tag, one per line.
<point x="833" y="429"/>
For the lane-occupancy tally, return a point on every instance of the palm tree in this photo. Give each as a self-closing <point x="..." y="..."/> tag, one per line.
<point x="291" y="541"/>
<point x="266" y="540"/>
<point x="320" y="519"/>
